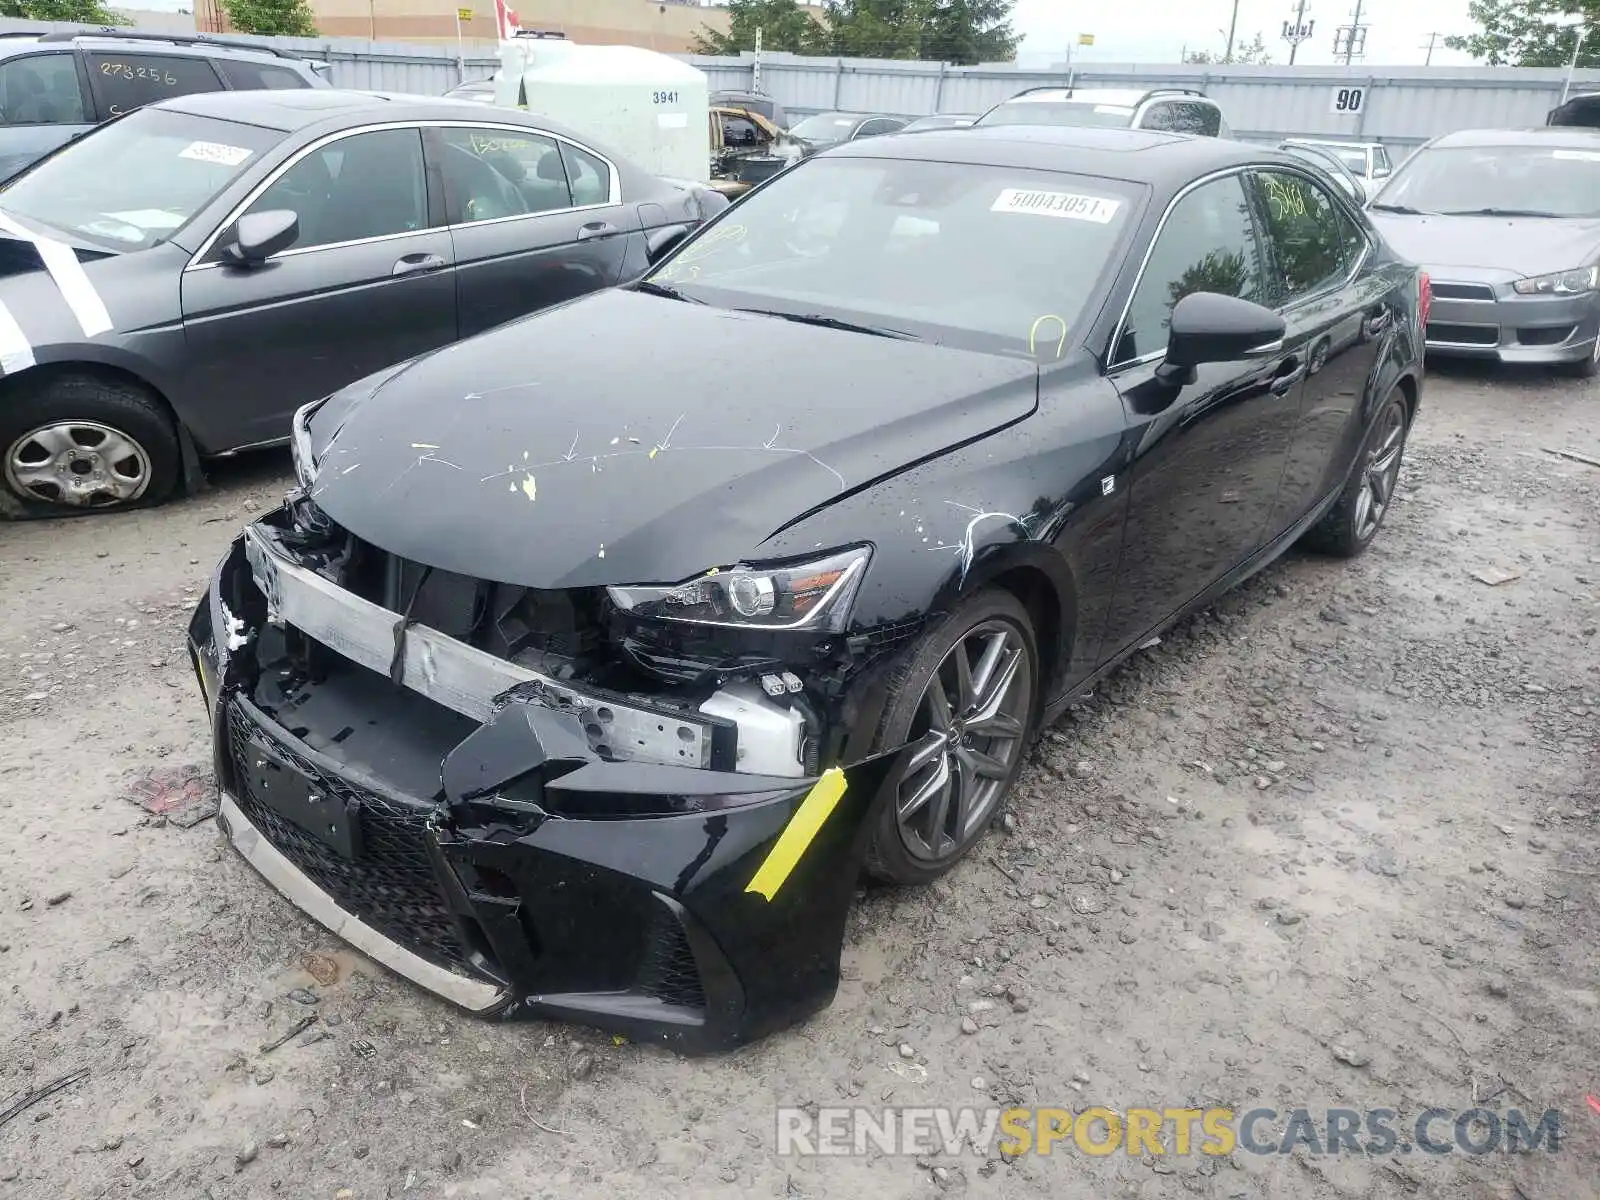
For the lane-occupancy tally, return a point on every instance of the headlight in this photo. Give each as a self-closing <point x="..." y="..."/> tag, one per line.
<point x="305" y="467"/>
<point x="1559" y="283"/>
<point x="809" y="595"/>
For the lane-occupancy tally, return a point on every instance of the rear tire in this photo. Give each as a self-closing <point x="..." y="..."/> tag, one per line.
<point x="965" y="697"/>
<point x="1348" y="528"/>
<point x="77" y="442"/>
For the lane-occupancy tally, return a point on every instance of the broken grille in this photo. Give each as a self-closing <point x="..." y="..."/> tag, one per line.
<point x="391" y="886"/>
<point x="669" y="971"/>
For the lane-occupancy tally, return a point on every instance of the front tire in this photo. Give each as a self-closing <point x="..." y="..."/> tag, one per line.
<point x="1348" y="528"/>
<point x="76" y="442"/>
<point x="965" y="700"/>
<point x="1586" y="367"/>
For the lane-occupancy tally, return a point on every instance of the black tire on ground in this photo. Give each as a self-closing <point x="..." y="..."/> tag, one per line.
<point x="888" y="856"/>
<point x="119" y="405"/>
<point x="1347" y="529"/>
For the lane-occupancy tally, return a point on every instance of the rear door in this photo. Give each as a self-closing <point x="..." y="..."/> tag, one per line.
<point x="1208" y="455"/>
<point x="125" y="80"/>
<point x="1338" y="317"/>
<point x="534" y="219"/>
<point x="367" y="284"/>
<point x="43" y="103"/>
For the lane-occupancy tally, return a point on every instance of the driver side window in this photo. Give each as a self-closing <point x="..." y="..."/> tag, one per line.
<point x="1208" y="244"/>
<point x="364" y="186"/>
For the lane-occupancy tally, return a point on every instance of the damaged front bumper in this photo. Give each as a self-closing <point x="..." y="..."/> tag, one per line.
<point x="460" y="819"/>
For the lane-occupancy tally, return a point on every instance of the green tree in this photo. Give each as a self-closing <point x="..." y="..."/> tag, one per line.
<point x="953" y="31"/>
<point x="784" y="25"/>
<point x="1254" y="51"/>
<point x="1525" y="33"/>
<point x="270" y="18"/>
<point x="87" y="12"/>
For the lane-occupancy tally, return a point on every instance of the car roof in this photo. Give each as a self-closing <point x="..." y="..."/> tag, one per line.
<point x="294" y="109"/>
<point x="1305" y="141"/>
<point x="1569" y="136"/>
<point x="1122" y="97"/>
<point x="1139" y="155"/>
<point x="184" y="46"/>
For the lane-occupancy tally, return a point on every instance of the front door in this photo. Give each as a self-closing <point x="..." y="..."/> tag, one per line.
<point x="1209" y="455"/>
<point x="367" y="284"/>
<point x="534" y="220"/>
<point x="1337" y="318"/>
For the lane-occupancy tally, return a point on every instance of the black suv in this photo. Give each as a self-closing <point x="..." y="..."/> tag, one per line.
<point x="54" y="86"/>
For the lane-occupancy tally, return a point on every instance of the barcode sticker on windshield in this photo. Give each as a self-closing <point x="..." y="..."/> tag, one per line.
<point x="1098" y="209"/>
<point x="215" y="152"/>
<point x="1582" y="155"/>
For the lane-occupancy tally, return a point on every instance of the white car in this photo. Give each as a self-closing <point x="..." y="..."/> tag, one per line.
<point x="1367" y="161"/>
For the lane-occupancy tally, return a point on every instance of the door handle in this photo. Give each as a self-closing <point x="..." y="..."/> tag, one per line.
<point x="412" y="263"/>
<point x="1288" y="375"/>
<point x="596" y="229"/>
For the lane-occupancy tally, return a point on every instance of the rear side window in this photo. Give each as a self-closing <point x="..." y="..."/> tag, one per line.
<point x="1310" y="235"/>
<point x="1183" y="116"/>
<point x="881" y="125"/>
<point x="1208" y="244"/>
<point x="589" y="176"/>
<point x="493" y="173"/>
<point x="125" y="82"/>
<point x="41" y="89"/>
<point x="254" y="76"/>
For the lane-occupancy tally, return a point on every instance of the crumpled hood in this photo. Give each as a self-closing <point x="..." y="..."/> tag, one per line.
<point x="627" y="438"/>
<point x="1515" y="246"/>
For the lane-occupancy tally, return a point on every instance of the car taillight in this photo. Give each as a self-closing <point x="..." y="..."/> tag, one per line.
<point x="1424" y="295"/>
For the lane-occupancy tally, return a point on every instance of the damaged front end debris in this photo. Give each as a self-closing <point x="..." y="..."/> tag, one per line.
<point x="537" y="803"/>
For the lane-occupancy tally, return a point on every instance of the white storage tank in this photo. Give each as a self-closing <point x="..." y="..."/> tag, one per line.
<point x="647" y="106"/>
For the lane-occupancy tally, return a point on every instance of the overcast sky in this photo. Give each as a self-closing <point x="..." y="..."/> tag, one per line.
<point x="1158" y="30"/>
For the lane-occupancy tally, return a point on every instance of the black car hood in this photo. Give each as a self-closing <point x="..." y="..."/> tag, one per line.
<point x="626" y="438"/>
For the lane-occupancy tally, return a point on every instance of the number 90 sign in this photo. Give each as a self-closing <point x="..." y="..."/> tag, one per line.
<point x="1347" y="101"/>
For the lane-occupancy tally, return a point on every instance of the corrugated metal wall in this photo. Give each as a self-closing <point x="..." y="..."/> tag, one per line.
<point x="1402" y="106"/>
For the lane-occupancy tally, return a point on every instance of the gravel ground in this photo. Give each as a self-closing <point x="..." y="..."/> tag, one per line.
<point x="1333" y="843"/>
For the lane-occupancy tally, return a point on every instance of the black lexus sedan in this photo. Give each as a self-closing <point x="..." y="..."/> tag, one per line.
<point x="174" y="284"/>
<point x="568" y="683"/>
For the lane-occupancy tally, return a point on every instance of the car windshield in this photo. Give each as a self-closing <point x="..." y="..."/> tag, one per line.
<point x="1354" y="160"/>
<point x="1555" y="181"/>
<point x="987" y="258"/>
<point x="824" y="127"/>
<point x="1025" y="111"/>
<point x="134" y="182"/>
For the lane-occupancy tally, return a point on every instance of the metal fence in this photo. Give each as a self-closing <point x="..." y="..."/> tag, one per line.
<point x="1401" y="107"/>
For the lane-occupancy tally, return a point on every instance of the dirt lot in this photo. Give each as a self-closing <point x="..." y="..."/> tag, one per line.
<point x="1332" y="844"/>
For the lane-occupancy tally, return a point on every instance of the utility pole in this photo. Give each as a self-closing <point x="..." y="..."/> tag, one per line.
<point x="1233" y="28"/>
<point x="1297" y="31"/>
<point x="1350" y="40"/>
<point x="755" y="65"/>
<point x="1433" y="38"/>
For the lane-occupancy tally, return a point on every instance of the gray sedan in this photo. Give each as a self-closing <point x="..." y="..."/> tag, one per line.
<point x="1507" y="224"/>
<point x="176" y="283"/>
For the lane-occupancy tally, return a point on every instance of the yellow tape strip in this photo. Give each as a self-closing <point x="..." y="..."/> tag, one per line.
<point x="798" y="833"/>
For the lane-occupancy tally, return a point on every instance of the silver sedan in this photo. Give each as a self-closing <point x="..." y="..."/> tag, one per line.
<point x="1506" y="222"/>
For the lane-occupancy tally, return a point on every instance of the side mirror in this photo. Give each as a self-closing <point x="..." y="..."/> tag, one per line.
<point x="1209" y="327"/>
<point x="663" y="241"/>
<point x="258" y="236"/>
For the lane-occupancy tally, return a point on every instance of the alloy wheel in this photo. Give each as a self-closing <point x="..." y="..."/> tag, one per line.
<point x="965" y="742"/>
<point x="1380" y="472"/>
<point x="82" y="464"/>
